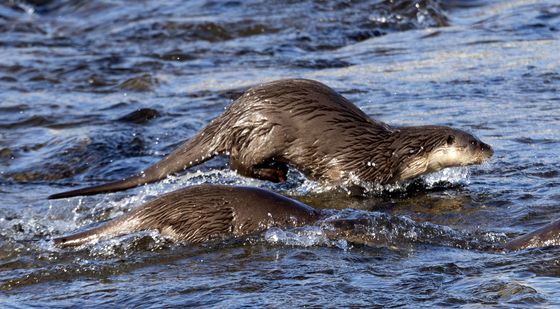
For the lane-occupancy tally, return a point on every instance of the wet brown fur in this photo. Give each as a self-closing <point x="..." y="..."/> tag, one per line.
<point x="201" y="213"/>
<point x="546" y="236"/>
<point x="215" y="212"/>
<point x="307" y="125"/>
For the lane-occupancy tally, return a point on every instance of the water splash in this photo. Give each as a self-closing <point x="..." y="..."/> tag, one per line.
<point x="126" y="245"/>
<point x="349" y="227"/>
<point x="452" y="175"/>
<point x="303" y="237"/>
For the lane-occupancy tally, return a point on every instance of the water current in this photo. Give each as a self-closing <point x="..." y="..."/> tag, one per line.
<point x="93" y="91"/>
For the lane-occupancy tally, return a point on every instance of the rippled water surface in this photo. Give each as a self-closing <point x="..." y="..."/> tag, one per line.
<point x="93" y="91"/>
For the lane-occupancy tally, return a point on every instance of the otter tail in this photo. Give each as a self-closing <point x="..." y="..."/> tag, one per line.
<point x="192" y="152"/>
<point x="110" y="229"/>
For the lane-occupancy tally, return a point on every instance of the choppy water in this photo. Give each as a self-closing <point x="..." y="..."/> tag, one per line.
<point x="73" y="73"/>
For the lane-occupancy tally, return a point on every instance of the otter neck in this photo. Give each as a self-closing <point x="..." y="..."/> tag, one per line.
<point x="400" y="155"/>
<point x="413" y="147"/>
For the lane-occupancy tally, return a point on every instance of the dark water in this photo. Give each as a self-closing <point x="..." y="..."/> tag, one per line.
<point x="93" y="91"/>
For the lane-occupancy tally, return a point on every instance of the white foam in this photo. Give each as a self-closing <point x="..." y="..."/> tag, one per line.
<point x="307" y="236"/>
<point x="453" y="175"/>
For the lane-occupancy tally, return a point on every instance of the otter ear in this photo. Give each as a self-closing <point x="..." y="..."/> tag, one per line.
<point x="450" y="140"/>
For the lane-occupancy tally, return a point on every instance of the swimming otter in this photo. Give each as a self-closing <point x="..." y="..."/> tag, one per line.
<point x="306" y="124"/>
<point x="201" y="213"/>
<point x="546" y="236"/>
<point x="213" y="212"/>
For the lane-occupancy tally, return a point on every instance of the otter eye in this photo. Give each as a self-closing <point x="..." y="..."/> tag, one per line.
<point x="450" y="139"/>
<point x="473" y="142"/>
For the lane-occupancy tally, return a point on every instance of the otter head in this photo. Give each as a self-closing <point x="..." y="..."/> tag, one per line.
<point x="441" y="147"/>
<point x="458" y="149"/>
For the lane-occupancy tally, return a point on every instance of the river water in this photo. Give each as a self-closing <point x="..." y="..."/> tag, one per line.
<point x="93" y="91"/>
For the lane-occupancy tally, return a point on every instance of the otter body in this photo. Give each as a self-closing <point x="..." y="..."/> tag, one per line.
<point x="201" y="213"/>
<point x="546" y="236"/>
<point x="212" y="212"/>
<point x="307" y="125"/>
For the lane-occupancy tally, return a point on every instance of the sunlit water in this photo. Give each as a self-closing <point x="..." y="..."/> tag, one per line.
<point x="72" y="74"/>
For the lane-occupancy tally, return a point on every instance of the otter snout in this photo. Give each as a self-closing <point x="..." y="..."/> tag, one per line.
<point x="483" y="151"/>
<point x="486" y="150"/>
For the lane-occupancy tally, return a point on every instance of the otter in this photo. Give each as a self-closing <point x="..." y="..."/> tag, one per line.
<point x="546" y="236"/>
<point x="216" y="212"/>
<point x="306" y="124"/>
<point x="203" y="213"/>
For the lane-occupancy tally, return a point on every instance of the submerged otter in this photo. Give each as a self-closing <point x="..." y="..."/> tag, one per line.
<point x="307" y="125"/>
<point x="546" y="236"/>
<point x="215" y="212"/>
<point x="202" y="213"/>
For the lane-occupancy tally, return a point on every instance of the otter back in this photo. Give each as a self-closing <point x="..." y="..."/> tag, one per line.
<point x="201" y="213"/>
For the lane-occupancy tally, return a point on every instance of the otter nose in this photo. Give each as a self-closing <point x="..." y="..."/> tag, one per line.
<point x="487" y="149"/>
